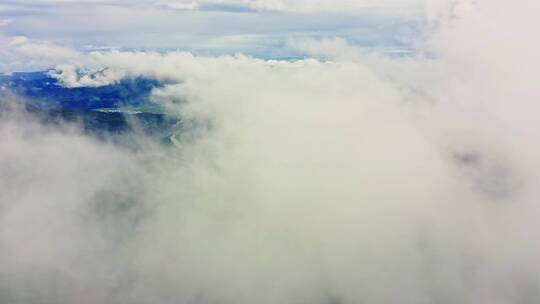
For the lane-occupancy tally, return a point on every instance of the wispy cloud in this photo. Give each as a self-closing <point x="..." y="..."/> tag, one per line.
<point x="293" y="5"/>
<point x="261" y="5"/>
<point x="5" y="22"/>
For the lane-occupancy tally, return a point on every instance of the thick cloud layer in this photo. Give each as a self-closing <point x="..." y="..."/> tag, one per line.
<point x="360" y="179"/>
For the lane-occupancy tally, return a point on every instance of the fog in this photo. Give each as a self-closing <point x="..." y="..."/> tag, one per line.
<point x="347" y="177"/>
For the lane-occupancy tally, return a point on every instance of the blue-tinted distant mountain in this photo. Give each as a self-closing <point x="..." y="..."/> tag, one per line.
<point x="114" y="108"/>
<point x="40" y="87"/>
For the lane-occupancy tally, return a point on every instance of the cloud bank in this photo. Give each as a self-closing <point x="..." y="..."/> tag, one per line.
<point x="352" y="178"/>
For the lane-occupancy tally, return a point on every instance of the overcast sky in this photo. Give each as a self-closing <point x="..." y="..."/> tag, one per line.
<point x="262" y="28"/>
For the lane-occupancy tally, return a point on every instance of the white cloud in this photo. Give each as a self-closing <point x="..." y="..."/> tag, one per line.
<point x="213" y="28"/>
<point x="294" y="5"/>
<point x="16" y="3"/>
<point x="435" y="9"/>
<point x="366" y="178"/>
<point x="336" y="48"/>
<point x="305" y="6"/>
<point x="181" y="5"/>
<point x="5" y="22"/>
<point x="21" y="53"/>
